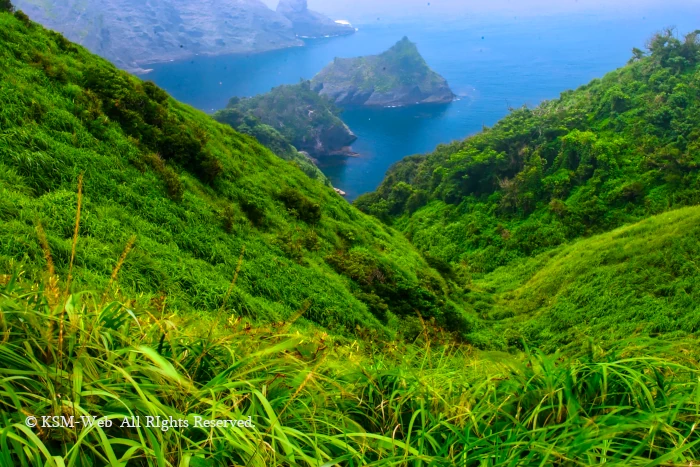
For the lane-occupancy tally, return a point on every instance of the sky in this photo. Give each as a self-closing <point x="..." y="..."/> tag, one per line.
<point x="359" y="11"/>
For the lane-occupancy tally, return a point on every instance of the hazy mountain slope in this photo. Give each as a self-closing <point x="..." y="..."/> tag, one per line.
<point x="399" y="76"/>
<point x="308" y="23"/>
<point x="133" y="34"/>
<point x="196" y="195"/>
<point x="637" y="281"/>
<point x="612" y="152"/>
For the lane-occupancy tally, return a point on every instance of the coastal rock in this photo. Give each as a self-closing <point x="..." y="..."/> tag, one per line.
<point x="398" y="77"/>
<point x="133" y="34"/>
<point x="310" y="24"/>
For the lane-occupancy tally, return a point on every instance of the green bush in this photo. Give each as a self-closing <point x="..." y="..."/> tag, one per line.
<point x="300" y="206"/>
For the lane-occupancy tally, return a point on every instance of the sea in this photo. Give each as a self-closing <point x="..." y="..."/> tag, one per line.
<point x="493" y="64"/>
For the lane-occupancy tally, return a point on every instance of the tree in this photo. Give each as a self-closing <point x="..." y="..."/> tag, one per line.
<point x="6" y="5"/>
<point x="638" y="54"/>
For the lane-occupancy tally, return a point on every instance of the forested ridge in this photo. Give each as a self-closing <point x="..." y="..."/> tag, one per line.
<point x="614" y="151"/>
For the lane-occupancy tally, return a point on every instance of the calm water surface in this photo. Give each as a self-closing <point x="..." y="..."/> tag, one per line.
<point x="492" y="64"/>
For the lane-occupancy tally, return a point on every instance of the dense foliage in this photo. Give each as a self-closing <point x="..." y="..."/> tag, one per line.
<point x="271" y="138"/>
<point x="6" y="5"/>
<point x="198" y="202"/>
<point x="303" y="118"/>
<point x="612" y="152"/>
<point x="313" y="401"/>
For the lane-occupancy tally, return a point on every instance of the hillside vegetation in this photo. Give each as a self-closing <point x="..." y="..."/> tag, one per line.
<point x="637" y="281"/>
<point x="314" y="402"/>
<point x="300" y="116"/>
<point x="156" y="263"/>
<point x="195" y="204"/>
<point x="612" y="152"/>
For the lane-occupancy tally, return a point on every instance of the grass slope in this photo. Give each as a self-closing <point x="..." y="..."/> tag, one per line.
<point x="196" y="203"/>
<point x="637" y="281"/>
<point x="316" y="402"/>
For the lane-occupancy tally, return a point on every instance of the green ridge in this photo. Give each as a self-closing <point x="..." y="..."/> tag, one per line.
<point x="193" y="192"/>
<point x="614" y="151"/>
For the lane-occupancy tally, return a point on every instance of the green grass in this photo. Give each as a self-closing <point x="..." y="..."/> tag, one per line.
<point x="155" y="263"/>
<point x="194" y="192"/>
<point x="315" y="401"/>
<point x="636" y="281"/>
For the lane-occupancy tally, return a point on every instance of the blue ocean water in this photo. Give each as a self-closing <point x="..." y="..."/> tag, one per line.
<point x="493" y="64"/>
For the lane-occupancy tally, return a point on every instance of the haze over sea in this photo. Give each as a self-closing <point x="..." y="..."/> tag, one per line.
<point x="493" y="64"/>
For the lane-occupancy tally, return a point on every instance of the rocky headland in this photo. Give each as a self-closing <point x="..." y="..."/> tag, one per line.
<point x="398" y="77"/>
<point x="135" y="34"/>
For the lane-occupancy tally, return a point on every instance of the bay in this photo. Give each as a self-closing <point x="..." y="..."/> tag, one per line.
<point x="492" y="64"/>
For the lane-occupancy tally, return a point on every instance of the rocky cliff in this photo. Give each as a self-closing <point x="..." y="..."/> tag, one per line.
<point x="310" y="24"/>
<point x="398" y="77"/>
<point x="135" y="33"/>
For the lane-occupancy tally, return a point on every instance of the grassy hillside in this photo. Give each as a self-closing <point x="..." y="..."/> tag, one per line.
<point x="207" y="219"/>
<point x="612" y="152"/>
<point x="156" y="263"/>
<point x="315" y="402"/>
<point x="638" y="281"/>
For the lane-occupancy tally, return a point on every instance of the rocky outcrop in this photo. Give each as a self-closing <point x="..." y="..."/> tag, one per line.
<point x="309" y="24"/>
<point x="133" y="33"/>
<point x="398" y="77"/>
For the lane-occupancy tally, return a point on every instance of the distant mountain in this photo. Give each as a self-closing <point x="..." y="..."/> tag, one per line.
<point x="133" y="34"/>
<point x="398" y="77"/>
<point x="307" y="23"/>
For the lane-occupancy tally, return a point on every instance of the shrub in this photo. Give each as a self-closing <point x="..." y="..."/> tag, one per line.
<point x="172" y="181"/>
<point x="143" y="112"/>
<point x="253" y="211"/>
<point x="300" y="206"/>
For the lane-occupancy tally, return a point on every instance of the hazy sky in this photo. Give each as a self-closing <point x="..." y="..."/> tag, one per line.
<point x="365" y="10"/>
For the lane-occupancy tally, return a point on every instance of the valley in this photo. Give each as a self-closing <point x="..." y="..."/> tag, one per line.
<point x="522" y="293"/>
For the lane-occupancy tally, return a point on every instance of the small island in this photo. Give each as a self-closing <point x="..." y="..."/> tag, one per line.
<point x="398" y="77"/>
